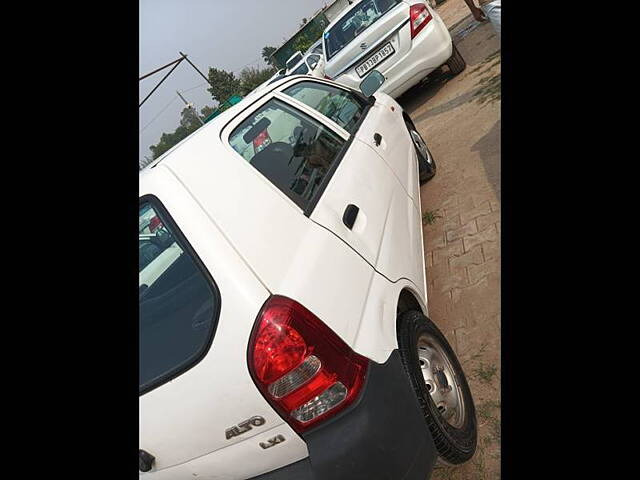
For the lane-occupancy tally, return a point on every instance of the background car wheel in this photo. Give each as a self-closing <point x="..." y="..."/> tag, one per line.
<point x="440" y="385"/>
<point x="426" y="163"/>
<point x="456" y="63"/>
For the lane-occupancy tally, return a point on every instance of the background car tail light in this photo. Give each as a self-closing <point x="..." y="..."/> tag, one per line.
<point x="154" y="224"/>
<point x="328" y="77"/>
<point x="261" y="141"/>
<point x="303" y="369"/>
<point x="419" y="18"/>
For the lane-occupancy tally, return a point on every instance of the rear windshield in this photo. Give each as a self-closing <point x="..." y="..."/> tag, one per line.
<point x="354" y="23"/>
<point x="177" y="304"/>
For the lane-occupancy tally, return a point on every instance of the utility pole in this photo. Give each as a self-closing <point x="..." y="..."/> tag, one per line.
<point x="196" y="68"/>
<point x="161" y="68"/>
<point x="177" y="62"/>
<point x="192" y="106"/>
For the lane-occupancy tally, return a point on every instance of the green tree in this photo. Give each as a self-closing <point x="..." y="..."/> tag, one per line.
<point x="251" y="77"/>
<point x="206" y="111"/>
<point x="302" y="43"/>
<point x="189" y="123"/>
<point x="266" y="54"/>
<point x="224" y="84"/>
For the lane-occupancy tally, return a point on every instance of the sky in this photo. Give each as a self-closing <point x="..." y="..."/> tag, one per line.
<point x="226" y="34"/>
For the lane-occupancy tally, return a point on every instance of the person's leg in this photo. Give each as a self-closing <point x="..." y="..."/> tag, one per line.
<point x="493" y="13"/>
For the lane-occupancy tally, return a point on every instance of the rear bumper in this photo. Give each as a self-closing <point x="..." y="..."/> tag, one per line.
<point x="431" y="48"/>
<point x="382" y="436"/>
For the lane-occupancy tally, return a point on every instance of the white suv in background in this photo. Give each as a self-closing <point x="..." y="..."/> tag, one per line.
<point x="286" y="335"/>
<point x="405" y="40"/>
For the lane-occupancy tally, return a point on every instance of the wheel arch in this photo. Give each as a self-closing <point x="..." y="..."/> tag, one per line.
<point x="409" y="299"/>
<point x="377" y="333"/>
<point x="407" y="118"/>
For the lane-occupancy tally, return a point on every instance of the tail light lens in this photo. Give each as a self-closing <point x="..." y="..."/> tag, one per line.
<point x="303" y="369"/>
<point x="154" y="224"/>
<point x="419" y="18"/>
<point x="261" y="141"/>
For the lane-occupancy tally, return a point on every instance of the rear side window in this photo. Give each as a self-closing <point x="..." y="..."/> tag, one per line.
<point x="290" y="148"/>
<point x="339" y="105"/>
<point x="178" y="305"/>
<point x="354" y="23"/>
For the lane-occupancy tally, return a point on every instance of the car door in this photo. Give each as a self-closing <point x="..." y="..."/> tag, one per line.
<point x="385" y="131"/>
<point x="365" y="204"/>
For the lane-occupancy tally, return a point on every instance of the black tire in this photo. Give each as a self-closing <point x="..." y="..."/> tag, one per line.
<point x="455" y="444"/>
<point x="426" y="165"/>
<point x="456" y="63"/>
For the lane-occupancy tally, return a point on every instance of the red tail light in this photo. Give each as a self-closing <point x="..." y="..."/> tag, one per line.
<point x="261" y="141"/>
<point x="303" y="369"/>
<point x="419" y="18"/>
<point x="328" y="77"/>
<point x="154" y="224"/>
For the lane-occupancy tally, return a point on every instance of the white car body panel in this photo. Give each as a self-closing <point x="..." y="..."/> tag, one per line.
<point x="187" y="417"/>
<point x="394" y="147"/>
<point x="280" y="243"/>
<point x="255" y="242"/>
<point x="413" y="59"/>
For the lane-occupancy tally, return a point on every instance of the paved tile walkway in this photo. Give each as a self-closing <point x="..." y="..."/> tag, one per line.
<point x="459" y="119"/>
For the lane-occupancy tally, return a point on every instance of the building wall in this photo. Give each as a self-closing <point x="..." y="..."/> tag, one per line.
<point x="333" y="10"/>
<point x="320" y="21"/>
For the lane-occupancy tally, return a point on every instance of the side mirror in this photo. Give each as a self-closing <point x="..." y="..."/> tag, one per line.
<point x="371" y="83"/>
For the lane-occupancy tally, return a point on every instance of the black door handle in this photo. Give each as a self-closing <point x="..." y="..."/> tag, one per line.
<point x="377" y="138"/>
<point x="349" y="216"/>
<point x="145" y="460"/>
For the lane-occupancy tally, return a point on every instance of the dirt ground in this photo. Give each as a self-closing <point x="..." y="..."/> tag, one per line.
<point x="459" y="118"/>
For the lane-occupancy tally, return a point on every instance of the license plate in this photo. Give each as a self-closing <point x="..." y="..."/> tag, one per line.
<point x="375" y="59"/>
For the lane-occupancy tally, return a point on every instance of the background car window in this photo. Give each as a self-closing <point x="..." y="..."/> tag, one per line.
<point x="339" y="105"/>
<point x="291" y="149"/>
<point x="354" y="23"/>
<point x="176" y="303"/>
<point x="301" y="70"/>
<point x="312" y="61"/>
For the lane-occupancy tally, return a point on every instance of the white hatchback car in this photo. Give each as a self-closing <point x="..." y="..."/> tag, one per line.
<point x="403" y="39"/>
<point x="288" y="336"/>
<point x="311" y="64"/>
